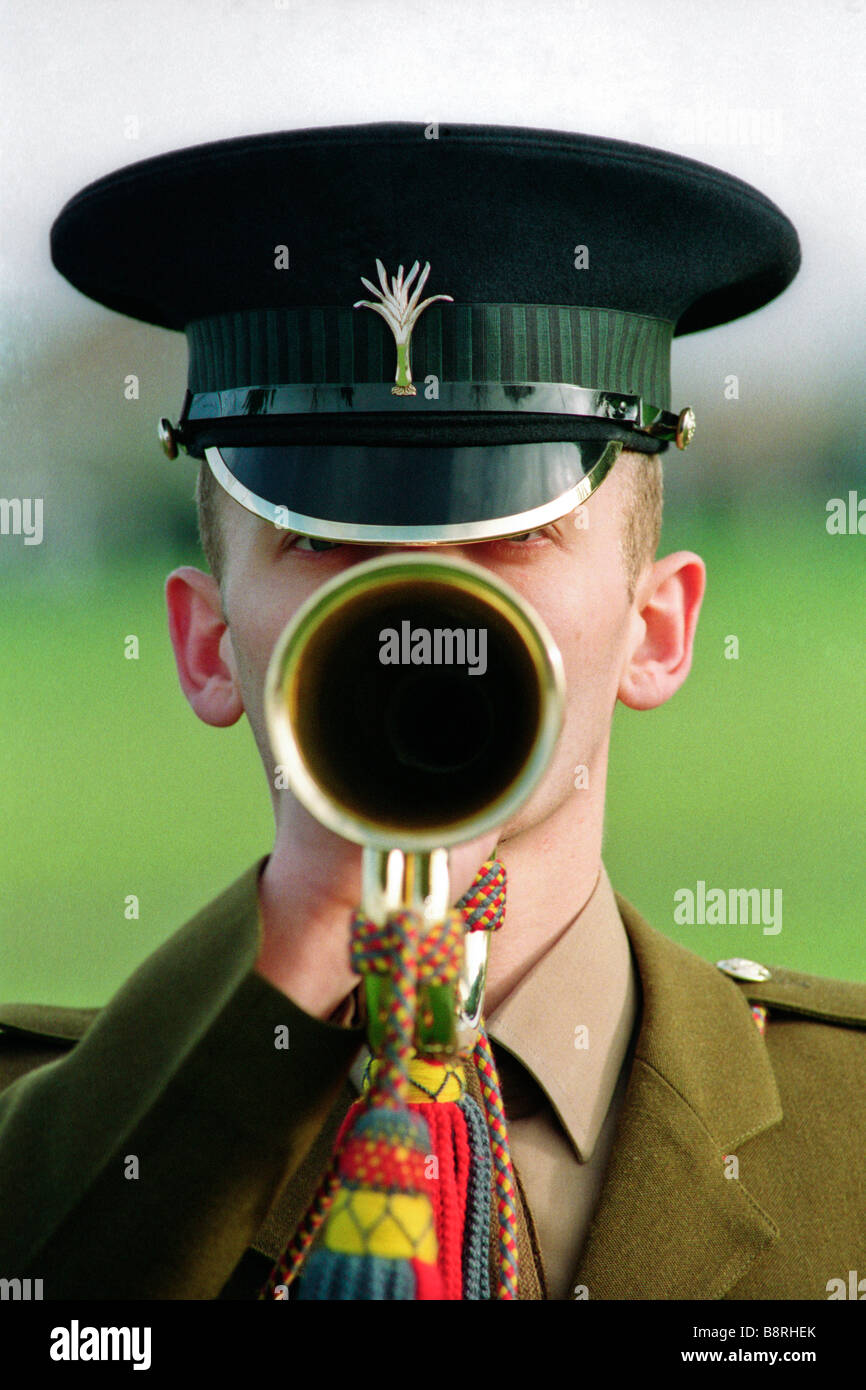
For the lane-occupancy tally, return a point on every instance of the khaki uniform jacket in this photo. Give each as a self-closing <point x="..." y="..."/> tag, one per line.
<point x="178" y="1079"/>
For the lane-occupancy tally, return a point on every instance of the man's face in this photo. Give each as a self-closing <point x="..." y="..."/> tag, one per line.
<point x="572" y="575"/>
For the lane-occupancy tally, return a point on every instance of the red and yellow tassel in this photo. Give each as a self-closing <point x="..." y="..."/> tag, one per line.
<point x="403" y="1212"/>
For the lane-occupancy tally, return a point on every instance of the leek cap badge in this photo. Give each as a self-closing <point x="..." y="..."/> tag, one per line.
<point x="400" y="310"/>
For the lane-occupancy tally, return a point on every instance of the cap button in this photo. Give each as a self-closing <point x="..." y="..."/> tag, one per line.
<point x="167" y="438"/>
<point x="740" y="969"/>
<point x="686" y="426"/>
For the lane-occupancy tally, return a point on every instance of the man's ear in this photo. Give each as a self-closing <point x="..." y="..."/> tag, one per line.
<point x="666" y="608"/>
<point x="203" y="649"/>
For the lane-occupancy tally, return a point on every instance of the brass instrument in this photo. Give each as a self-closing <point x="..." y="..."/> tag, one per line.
<point x="407" y="758"/>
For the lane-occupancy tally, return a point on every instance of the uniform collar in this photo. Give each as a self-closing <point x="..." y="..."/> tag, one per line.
<point x="692" y="1012"/>
<point x="570" y="1019"/>
<point x="671" y="1223"/>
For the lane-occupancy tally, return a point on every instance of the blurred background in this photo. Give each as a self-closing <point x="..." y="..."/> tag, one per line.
<point x="752" y="777"/>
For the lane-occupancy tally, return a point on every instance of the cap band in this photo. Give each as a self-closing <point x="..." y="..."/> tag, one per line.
<point x="530" y="398"/>
<point x="603" y="349"/>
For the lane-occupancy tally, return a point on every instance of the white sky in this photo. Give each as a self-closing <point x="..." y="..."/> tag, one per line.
<point x="697" y="78"/>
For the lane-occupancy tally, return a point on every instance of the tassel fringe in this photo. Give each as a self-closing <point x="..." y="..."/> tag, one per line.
<point x="403" y="1212"/>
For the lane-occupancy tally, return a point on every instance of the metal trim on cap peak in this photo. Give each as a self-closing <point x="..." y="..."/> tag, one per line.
<point x="363" y="534"/>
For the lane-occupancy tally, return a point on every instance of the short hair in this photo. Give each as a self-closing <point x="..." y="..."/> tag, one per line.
<point x="642" y="492"/>
<point x="640" y="480"/>
<point x="207" y="500"/>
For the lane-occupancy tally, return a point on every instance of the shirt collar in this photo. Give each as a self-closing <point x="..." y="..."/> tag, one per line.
<point x="570" y="1019"/>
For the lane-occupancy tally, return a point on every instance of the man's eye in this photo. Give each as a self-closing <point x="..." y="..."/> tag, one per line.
<point x="311" y="543"/>
<point x="529" y="535"/>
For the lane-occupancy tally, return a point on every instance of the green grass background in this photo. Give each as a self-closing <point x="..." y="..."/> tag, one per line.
<point x="753" y="776"/>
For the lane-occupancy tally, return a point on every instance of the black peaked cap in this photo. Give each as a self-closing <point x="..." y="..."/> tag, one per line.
<point x="562" y="265"/>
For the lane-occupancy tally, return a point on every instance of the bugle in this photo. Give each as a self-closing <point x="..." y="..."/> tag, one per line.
<point x="413" y="703"/>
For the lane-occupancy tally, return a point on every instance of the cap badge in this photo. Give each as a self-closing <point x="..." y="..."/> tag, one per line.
<point x="400" y="310"/>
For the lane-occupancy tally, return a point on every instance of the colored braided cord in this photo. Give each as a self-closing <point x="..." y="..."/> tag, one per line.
<point x="483" y="908"/>
<point x="288" y="1266"/>
<point x="476" y="1236"/>
<point x="392" y="950"/>
<point x="483" y="904"/>
<point x="506" y="1200"/>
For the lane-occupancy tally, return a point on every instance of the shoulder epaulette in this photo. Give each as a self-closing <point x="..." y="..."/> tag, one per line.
<point x="792" y="992"/>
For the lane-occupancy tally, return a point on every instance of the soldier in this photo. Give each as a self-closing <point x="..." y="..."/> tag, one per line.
<point x="514" y="417"/>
